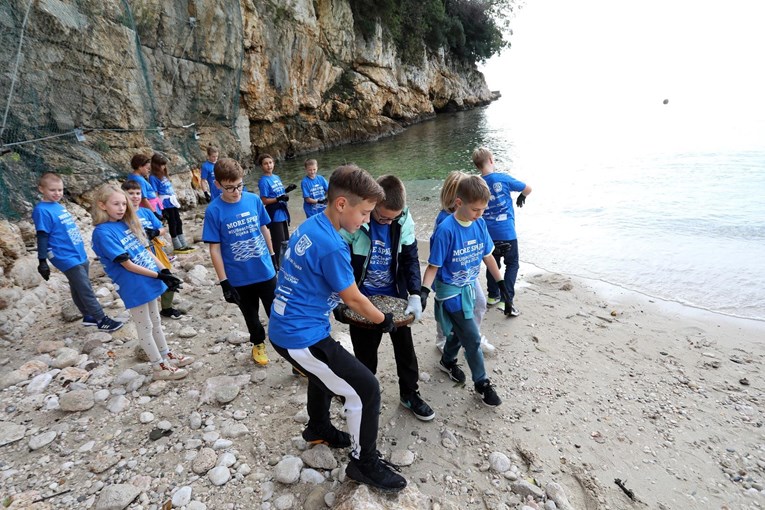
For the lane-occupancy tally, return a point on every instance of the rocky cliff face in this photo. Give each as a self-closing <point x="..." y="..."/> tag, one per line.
<point x="279" y="76"/>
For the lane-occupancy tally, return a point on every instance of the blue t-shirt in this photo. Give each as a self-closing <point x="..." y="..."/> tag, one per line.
<point x="164" y="188"/>
<point x="147" y="191"/>
<point x="65" y="246"/>
<point x="208" y="174"/>
<point x="112" y="239"/>
<point x="379" y="278"/>
<point x="315" y="268"/>
<point x="148" y="219"/>
<point x="457" y="250"/>
<point x="500" y="215"/>
<point x="315" y="188"/>
<point x="242" y="246"/>
<point x="271" y="186"/>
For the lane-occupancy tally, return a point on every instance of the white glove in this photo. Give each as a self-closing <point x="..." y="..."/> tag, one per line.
<point x="414" y="307"/>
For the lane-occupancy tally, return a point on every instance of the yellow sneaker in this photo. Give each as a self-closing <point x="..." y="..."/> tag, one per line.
<point x="259" y="355"/>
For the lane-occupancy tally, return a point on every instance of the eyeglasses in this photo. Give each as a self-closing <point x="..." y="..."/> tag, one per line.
<point x="382" y="219"/>
<point x="231" y="189"/>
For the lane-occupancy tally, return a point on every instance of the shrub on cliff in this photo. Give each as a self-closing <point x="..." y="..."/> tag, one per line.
<point x="468" y="29"/>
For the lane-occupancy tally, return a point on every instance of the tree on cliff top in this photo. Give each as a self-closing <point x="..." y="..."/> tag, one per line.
<point x="468" y="29"/>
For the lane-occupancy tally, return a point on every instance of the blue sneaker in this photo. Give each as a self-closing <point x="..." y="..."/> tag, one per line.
<point x="89" y="320"/>
<point x="109" y="325"/>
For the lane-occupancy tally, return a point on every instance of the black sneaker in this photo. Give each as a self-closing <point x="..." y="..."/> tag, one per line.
<point x="331" y="437"/>
<point x="455" y="372"/>
<point x="376" y="472"/>
<point x="109" y="325"/>
<point x="171" y="312"/>
<point x="419" y="408"/>
<point x="488" y="395"/>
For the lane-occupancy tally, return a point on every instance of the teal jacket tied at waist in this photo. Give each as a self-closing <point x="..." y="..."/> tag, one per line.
<point x="444" y="292"/>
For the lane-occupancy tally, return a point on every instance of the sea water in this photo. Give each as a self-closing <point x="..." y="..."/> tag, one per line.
<point x="666" y="198"/>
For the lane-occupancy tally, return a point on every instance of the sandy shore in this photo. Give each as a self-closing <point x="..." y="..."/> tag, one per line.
<point x="598" y="383"/>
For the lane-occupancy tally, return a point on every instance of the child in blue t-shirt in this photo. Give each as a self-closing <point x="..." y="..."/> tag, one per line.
<point x="208" y="175"/>
<point x="274" y="196"/>
<point x="459" y="244"/>
<point x="141" y="165"/>
<point x="236" y="228"/>
<point x="153" y="228"/>
<point x="119" y="241"/>
<point x="386" y="262"/>
<point x="314" y="189"/>
<point x="160" y="181"/>
<point x="500" y="220"/>
<point x="448" y="196"/>
<point x="59" y="240"/>
<point x="315" y="275"/>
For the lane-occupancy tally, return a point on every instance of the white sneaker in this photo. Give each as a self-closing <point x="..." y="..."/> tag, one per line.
<point x="167" y="372"/>
<point x="178" y="359"/>
<point x="487" y="348"/>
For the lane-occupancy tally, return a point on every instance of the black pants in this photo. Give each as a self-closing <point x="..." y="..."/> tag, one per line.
<point x="332" y="370"/>
<point x="367" y="341"/>
<point x="249" y="295"/>
<point x="280" y="232"/>
<point x="173" y="217"/>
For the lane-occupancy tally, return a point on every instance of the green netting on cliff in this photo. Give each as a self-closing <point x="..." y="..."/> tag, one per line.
<point x="87" y="83"/>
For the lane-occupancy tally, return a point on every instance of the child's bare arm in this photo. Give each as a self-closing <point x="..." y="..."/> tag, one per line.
<point x="135" y="268"/>
<point x="217" y="261"/>
<point x="359" y="303"/>
<point x="430" y="275"/>
<point x="491" y="265"/>
<point x="267" y="235"/>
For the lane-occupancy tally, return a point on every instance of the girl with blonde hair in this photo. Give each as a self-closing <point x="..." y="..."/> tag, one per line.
<point x="119" y="242"/>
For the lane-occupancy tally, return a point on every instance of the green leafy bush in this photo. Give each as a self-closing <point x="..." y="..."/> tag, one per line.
<point x="468" y="29"/>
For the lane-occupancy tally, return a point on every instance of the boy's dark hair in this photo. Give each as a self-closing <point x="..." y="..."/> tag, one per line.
<point x="131" y="184"/>
<point x="355" y="184"/>
<point x="473" y="189"/>
<point x="212" y="150"/>
<point x="139" y="160"/>
<point x="309" y="162"/>
<point x="228" y="170"/>
<point x="263" y="156"/>
<point x="47" y="177"/>
<point x="395" y="193"/>
<point x="159" y="165"/>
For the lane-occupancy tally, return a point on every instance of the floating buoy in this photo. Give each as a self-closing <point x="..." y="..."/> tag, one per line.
<point x="666" y="101"/>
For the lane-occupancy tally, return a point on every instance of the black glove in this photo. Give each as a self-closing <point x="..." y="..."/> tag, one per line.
<point x="151" y="233"/>
<point x="229" y="292"/>
<point x="424" y="292"/>
<point x="290" y="188"/>
<point x="387" y="326"/>
<point x="275" y="262"/>
<point x="505" y="295"/>
<point x="43" y="269"/>
<point x="322" y="201"/>
<point x="283" y="198"/>
<point x="208" y="197"/>
<point x="339" y="313"/>
<point x="520" y="200"/>
<point x="173" y="282"/>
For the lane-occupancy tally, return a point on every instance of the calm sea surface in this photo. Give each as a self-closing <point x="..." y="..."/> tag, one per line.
<point x="685" y="226"/>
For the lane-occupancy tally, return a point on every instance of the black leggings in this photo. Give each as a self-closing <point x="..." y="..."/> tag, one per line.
<point x="249" y="295"/>
<point x="173" y="218"/>
<point x="332" y="370"/>
<point x="280" y="232"/>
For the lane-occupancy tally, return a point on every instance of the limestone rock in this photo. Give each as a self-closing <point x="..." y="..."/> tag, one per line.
<point x="11" y="432"/>
<point x="77" y="400"/>
<point x="204" y="461"/>
<point x="288" y="469"/>
<point x="319" y="457"/>
<point x="116" y="497"/>
<point x="362" y="497"/>
<point x="41" y="440"/>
